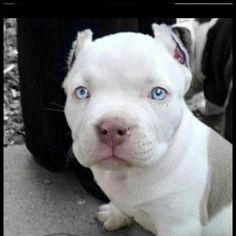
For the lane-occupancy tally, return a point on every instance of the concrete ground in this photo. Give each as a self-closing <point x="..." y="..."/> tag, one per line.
<point x="38" y="202"/>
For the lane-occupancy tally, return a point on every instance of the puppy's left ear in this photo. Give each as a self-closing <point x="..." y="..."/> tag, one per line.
<point x="83" y="39"/>
<point x="185" y="35"/>
<point x="175" y="47"/>
<point x="172" y="42"/>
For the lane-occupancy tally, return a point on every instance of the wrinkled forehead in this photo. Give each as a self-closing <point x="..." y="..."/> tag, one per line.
<point x="130" y="58"/>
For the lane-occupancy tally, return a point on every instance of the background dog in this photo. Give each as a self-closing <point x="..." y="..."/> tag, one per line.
<point x="209" y="44"/>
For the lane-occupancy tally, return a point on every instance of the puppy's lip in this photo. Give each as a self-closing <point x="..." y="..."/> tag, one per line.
<point x="113" y="158"/>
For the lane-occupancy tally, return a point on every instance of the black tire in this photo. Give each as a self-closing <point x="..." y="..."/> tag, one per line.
<point x="40" y="82"/>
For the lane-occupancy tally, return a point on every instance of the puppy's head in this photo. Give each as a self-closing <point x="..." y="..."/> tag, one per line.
<point x="125" y="97"/>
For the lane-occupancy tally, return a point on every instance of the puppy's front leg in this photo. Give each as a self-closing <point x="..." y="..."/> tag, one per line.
<point x="111" y="217"/>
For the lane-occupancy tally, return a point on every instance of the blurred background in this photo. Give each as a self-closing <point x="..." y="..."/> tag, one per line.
<point x="13" y="124"/>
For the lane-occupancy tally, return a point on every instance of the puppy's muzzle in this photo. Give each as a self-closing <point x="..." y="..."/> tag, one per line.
<point x="113" y="131"/>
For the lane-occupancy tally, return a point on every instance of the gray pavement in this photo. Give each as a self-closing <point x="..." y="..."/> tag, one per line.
<point x="38" y="202"/>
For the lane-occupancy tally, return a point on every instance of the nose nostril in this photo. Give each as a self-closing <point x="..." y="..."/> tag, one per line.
<point x="121" y="132"/>
<point x="104" y="132"/>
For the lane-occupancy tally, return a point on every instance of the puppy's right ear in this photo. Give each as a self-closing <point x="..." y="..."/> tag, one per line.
<point x="83" y="39"/>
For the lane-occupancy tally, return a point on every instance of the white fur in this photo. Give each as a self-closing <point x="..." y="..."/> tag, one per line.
<point x="221" y="224"/>
<point x="151" y="196"/>
<point x="163" y="178"/>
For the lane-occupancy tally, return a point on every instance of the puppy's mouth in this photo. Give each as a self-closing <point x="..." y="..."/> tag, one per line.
<point x="114" y="158"/>
<point x="113" y="162"/>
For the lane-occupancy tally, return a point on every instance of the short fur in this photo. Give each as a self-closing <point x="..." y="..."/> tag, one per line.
<point x="169" y="173"/>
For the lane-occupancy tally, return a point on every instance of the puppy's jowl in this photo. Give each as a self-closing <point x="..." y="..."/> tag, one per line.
<point x="156" y="162"/>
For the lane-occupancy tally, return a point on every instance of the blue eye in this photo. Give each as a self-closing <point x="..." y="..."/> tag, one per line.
<point x="82" y="92"/>
<point x="158" y="93"/>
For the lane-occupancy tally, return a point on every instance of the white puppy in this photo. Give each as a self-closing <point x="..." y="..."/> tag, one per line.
<point x="157" y="163"/>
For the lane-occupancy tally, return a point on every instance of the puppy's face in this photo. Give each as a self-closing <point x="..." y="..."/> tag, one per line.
<point x="124" y="101"/>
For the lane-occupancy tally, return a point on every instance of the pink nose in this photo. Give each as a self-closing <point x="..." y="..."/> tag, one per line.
<point x="112" y="131"/>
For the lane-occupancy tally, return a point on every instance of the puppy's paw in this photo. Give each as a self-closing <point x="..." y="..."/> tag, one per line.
<point x="111" y="217"/>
